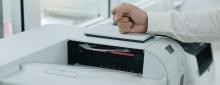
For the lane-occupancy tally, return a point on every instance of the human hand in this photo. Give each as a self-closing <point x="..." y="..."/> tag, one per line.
<point x="130" y="18"/>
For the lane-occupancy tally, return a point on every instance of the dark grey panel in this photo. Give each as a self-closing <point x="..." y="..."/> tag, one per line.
<point x="1" y="20"/>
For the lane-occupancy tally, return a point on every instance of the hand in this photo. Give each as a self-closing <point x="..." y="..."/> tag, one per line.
<point x="130" y="18"/>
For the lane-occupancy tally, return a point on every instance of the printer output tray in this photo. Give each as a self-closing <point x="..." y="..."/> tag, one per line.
<point x="131" y="61"/>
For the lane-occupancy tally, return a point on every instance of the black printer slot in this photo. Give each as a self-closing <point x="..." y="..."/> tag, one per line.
<point x="110" y="57"/>
<point x="204" y="59"/>
<point x="203" y="54"/>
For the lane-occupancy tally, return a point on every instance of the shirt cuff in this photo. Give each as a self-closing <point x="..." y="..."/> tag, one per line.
<point x="159" y="23"/>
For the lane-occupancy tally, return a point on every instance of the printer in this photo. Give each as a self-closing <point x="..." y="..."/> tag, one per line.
<point x="122" y="60"/>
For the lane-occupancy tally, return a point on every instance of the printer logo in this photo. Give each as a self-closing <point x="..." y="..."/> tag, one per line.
<point x="170" y="49"/>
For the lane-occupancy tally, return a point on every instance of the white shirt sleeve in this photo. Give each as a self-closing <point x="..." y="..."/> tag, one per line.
<point x="196" y="26"/>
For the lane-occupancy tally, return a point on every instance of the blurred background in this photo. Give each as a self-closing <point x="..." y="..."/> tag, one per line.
<point x="20" y="15"/>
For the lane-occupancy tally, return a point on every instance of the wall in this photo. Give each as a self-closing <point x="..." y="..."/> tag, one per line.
<point x="32" y="13"/>
<point x="16" y="16"/>
<point x="201" y="4"/>
<point x="11" y="18"/>
<point x="1" y="20"/>
<point x="88" y="5"/>
<point x="12" y="15"/>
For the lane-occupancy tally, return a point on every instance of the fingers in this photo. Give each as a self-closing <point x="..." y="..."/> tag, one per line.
<point x="114" y="11"/>
<point x="120" y="11"/>
<point x="125" y="27"/>
<point x="138" y="29"/>
<point x="118" y="14"/>
<point x="129" y="27"/>
<point x="123" y="20"/>
<point x="124" y="31"/>
<point x="137" y="21"/>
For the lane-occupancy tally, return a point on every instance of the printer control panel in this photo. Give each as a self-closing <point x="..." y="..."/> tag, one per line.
<point x="103" y="56"/>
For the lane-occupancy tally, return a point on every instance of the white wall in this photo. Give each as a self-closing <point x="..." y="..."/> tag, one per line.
<point x="16" y="16"/>
<point x="201" y="4"/>
<point x="12" y="14"/>
<point x="83" y="5"/>
<point x="32" y="13"/>
<point x="7" y="12"/>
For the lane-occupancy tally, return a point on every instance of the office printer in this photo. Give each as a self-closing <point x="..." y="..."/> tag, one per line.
<point x="99" y="61"/>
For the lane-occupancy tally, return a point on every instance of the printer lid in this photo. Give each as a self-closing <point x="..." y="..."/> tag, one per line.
<point x="112" y="32"/>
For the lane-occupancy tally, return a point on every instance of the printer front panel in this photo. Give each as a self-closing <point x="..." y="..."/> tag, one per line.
<point x="199" y="64"/>
<point x="171" y="55"/>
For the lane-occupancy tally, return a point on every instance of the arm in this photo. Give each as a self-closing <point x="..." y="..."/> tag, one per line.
<point x="197" y="26"/>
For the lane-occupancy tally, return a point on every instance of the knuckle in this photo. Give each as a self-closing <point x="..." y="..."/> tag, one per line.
<point x="120" y="27"/>
<point x="124" y="5"/>
<point x="124" y="20"/>
<point x="120" y="24"/>
<point x="125" y="24"/>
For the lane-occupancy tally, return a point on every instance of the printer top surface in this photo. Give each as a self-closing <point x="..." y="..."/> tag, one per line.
<point x="112" y="32"/>
<point x="36" y="39"/>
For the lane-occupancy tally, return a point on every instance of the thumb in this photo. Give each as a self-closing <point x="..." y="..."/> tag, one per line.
<point x="118" y="14"/>
<point x="122" y="9"/>
<point x="113" y="11"/>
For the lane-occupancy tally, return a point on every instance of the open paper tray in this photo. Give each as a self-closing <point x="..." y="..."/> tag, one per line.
<point x="111" y="32"/>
